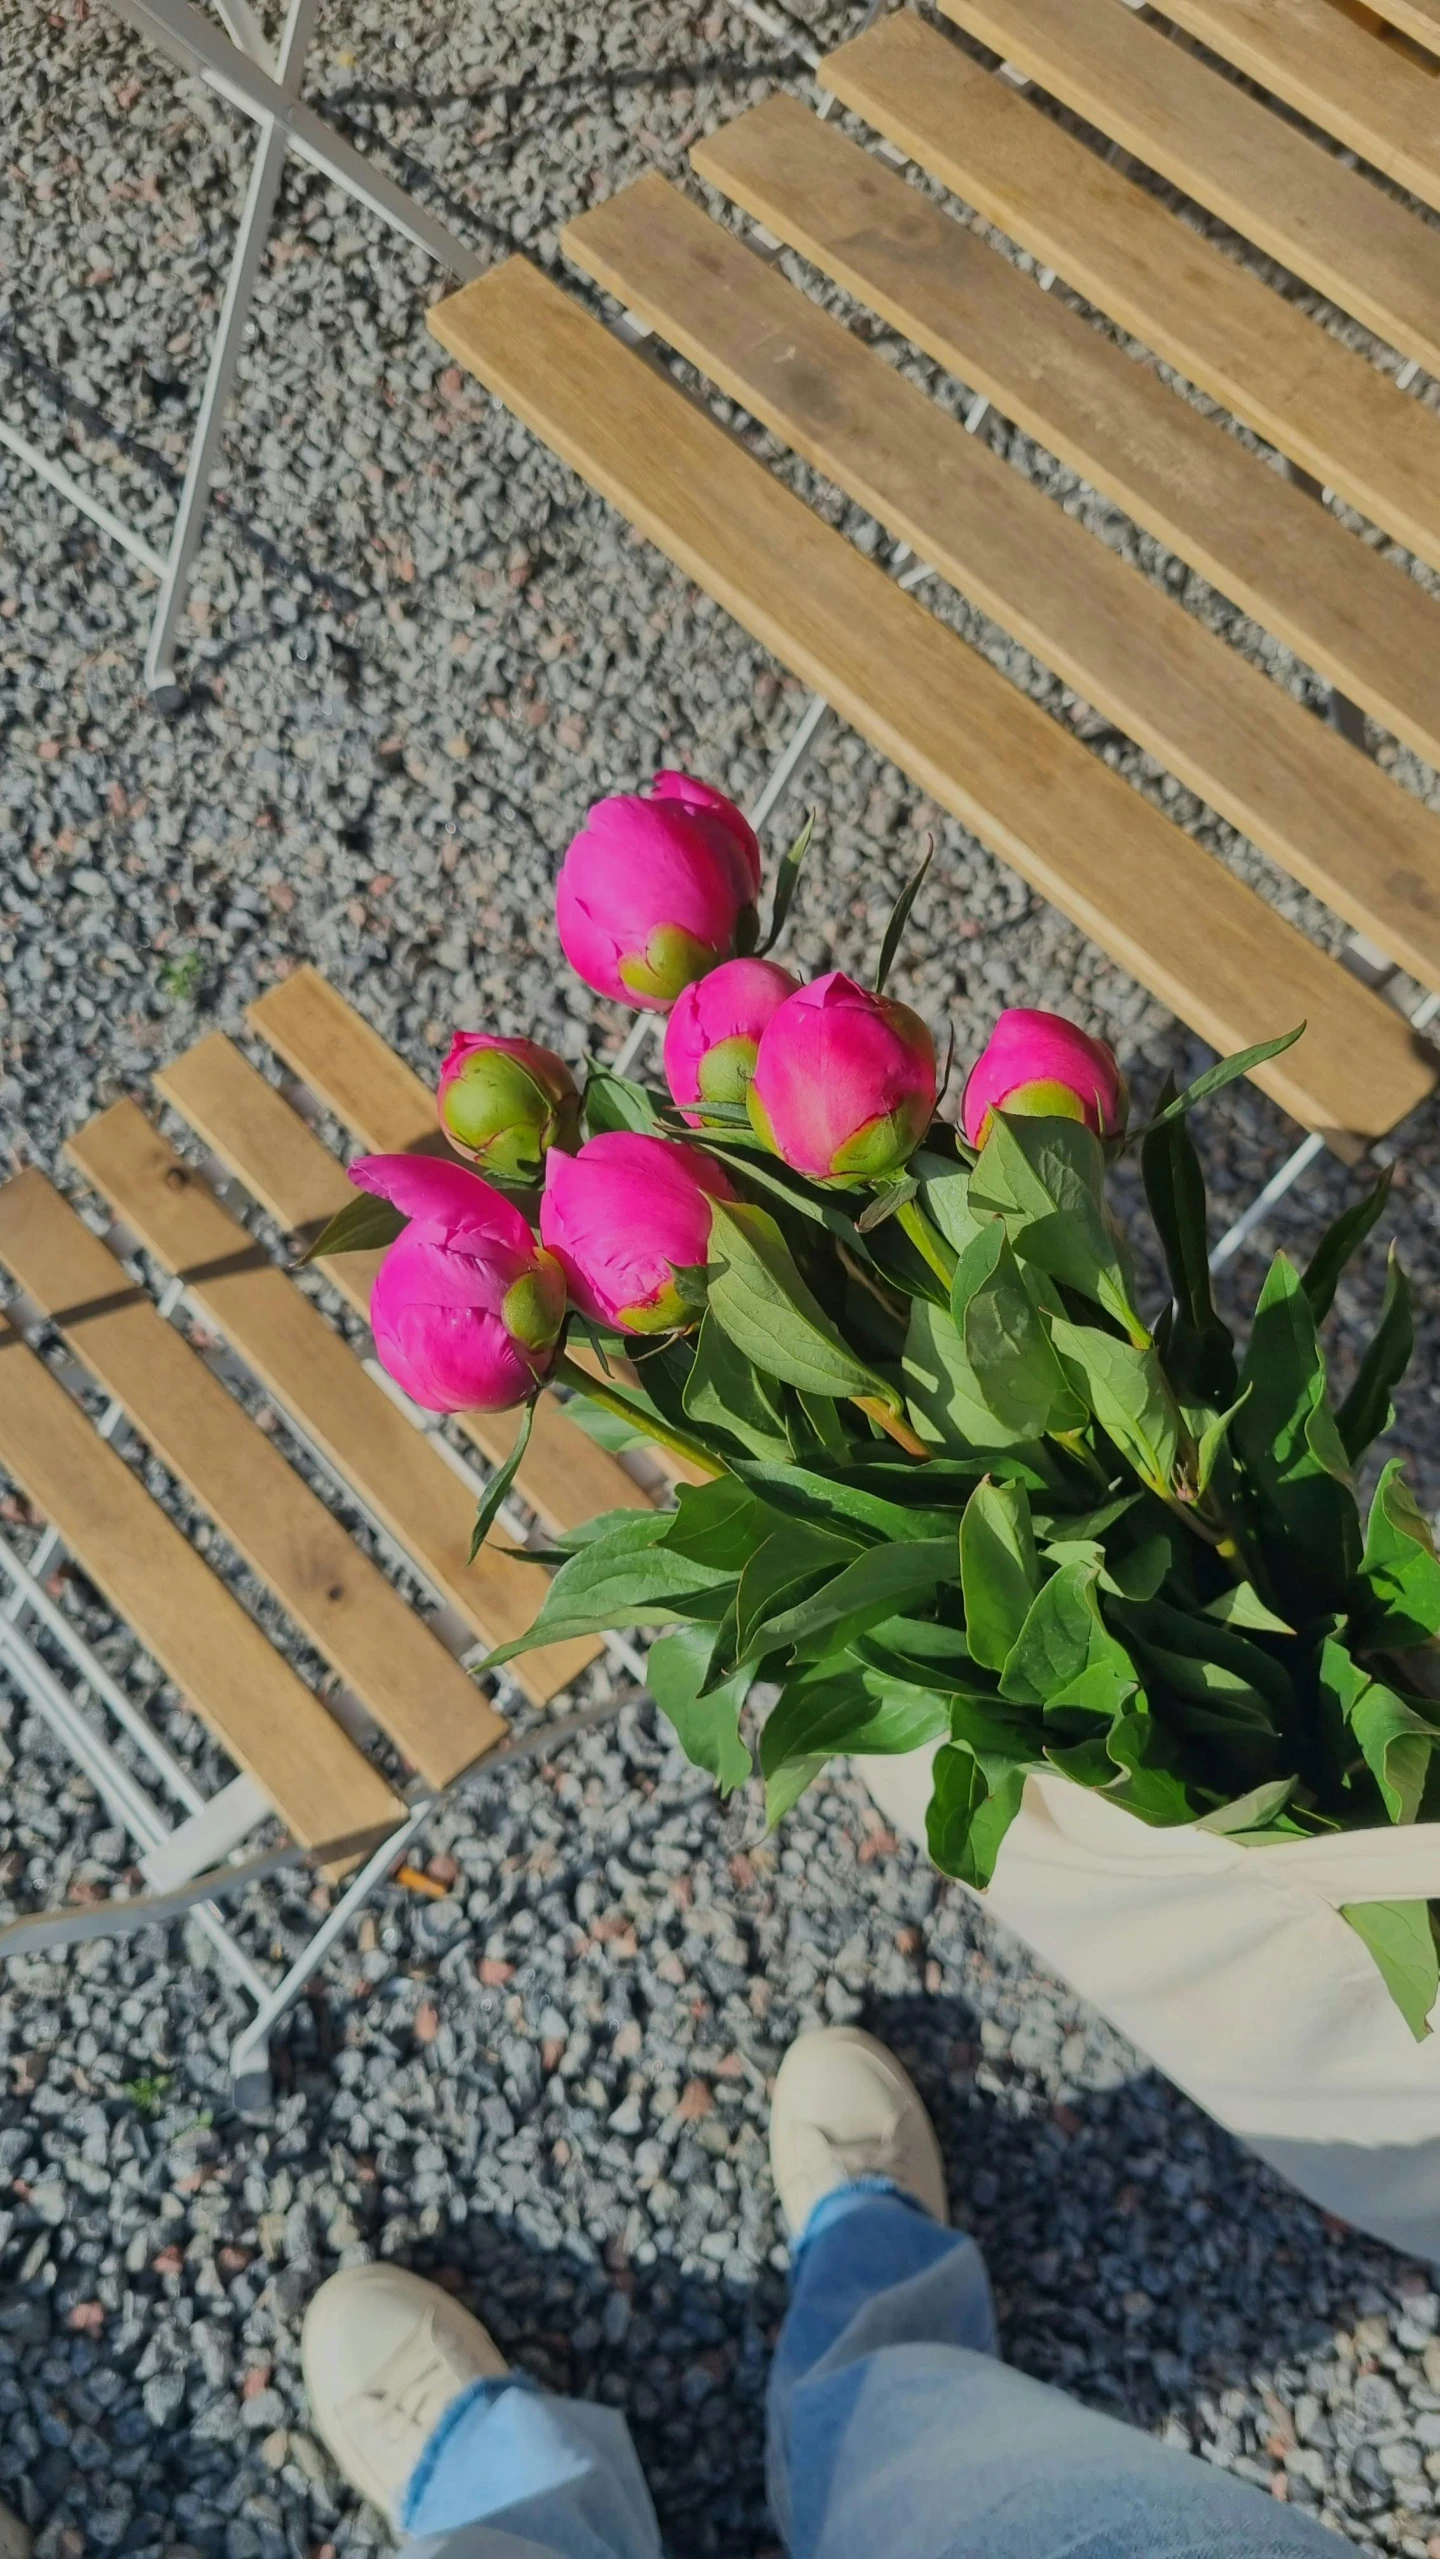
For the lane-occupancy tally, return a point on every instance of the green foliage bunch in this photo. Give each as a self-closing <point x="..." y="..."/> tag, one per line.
<point x="962" y="1492"/>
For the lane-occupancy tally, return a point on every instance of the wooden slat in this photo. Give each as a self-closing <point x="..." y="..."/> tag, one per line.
<point x="1216" y="323"/>
<point x="1275" y="185"/>
<point x="1179" y="922"/>
<point x="565" y="1478"/>
<point x="1334" y="73"/>
<point x="317" y="1379"/>
<point x="266" y="1718"/>
<point x="1252" y="533"/>
<point x="354" y="1072"/>
<point x="1327" y="813"/>
<point x="402" y="1673"/>
<point x="1417" y="19"/>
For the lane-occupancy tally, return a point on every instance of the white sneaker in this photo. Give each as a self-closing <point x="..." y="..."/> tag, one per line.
<point x="14" y="2536"/>
<point x="384" y="2354"/>
<point x="843" y="2108"/>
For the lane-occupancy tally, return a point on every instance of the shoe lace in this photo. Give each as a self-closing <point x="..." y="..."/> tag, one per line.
<point x="400" y="2401"/>
<point x="866" y="2155"/>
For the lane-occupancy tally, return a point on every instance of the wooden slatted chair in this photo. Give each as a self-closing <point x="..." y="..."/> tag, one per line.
<point x="1216" y="952"/>
<point x="302" y="1758"/>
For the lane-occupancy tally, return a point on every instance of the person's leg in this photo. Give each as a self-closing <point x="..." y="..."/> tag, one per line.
<point x="892" y="2425"/>
<point x="424" y="2417"/>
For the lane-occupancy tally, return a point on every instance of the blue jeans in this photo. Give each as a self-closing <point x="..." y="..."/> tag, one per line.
<point x="894" y="2433"/>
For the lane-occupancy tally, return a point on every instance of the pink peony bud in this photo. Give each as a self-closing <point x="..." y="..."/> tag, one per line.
<point x="714" y="1031"/>
<point x="744" y="842"/>
<point x="844" y="1084"/>
<point x="505" y="1102"/>
<point x="622" y="1217"/>
<point x="466" y="1307"/>
<point x="652" y="892"/>
<point x="1046" y="1068"/>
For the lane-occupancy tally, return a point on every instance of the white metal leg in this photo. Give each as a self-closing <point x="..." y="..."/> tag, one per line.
<point x="128" y="1803"/>
<point x="1264" y="1200"/>
<point x="244" y="29"/>
<point x="802" y="738"/>
<point x="28" y="1594"/>
<point x="250" y="2052"/>
<point x="208" y="1836"/>
<point x="238" y="65"/>
<point x="190" y="40"/>
<point x="40" y="1930"/>
<point x="110" y="525"/>
<point x="260" y="195"/>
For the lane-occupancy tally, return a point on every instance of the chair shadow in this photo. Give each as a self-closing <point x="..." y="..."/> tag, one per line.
<point x="1141" y="2258"/>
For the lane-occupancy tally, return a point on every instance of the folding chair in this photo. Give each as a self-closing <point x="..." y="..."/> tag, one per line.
<point x="346" y="1778"/>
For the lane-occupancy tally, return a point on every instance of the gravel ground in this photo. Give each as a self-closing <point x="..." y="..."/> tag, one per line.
<point x="416" y="647"/>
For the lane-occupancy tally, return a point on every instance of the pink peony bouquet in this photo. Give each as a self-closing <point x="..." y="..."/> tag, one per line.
<point x="942" y="1478"/>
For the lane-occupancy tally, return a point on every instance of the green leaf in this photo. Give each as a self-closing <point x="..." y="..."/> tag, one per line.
<point x="1138" y="1571"/>
<point x="1367" y="1409"/>
<point x="1211" y="1444"/>
<point x="493" y="1498"/>
<point x="968" y="1818"/>
<point x="921" y="1651"/>
<point x="617" y="1102"/>
<point x="1338" y="1243"/>
<point x="850" y="1508"/>
<point x="1254" y="1811"/>
<point x="1199" y="1353"/>
<point x="760" y="1301"/>
<point x="626" y="1578"/>
<point x="943" y="1395"/>
<point x="1396" y="1741"/>
<point x="1242" y="1062"/>
<point x="813" y="1723"/>
<point x="1396" y="1738"/>
<point x="818" y="1430"/>
<point x="724" y="1392"/>
<point x="1129" y="1394"/>
<point x="1287" y="1437"/>
<point x="364" y="1225"/>
<point x="606" y="1429"/>
<point x="1211" y="1662"/>
<point x="1402" y="1941"/>
<point x="999" y="1569"/>
<point x="1045" y="1178"/>
<point x="899" y="918"/>
<point x="1006" y="1343"/>
<point x="889" y="1197"/>
<point x="880" y="1581"/>
<point x="1144" y="1751"/>
<point x="720" y="1524"/>
<point x="794" y="1560"/>
<point x="1398" y="1598"/>
<point x="999" y="1735"/>
<point x="1242" y="1606"/>
<point x="1063" y="1642"/>
<point x="787" y="880"/>
<point x="945" y="1196"/>
<point x="708" y="1724"/>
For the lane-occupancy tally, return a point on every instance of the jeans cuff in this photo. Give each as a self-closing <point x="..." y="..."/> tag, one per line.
<point x="476" y="2394"/>
<point x="845" y="2199"/>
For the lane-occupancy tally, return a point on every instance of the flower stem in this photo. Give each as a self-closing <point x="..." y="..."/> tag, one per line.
<point x="894" y="1425"/>
<point x="568" y="1372"/>
<point x="928" y="1242"/>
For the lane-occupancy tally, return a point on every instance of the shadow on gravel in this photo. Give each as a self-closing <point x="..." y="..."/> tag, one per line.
<point x="1141" y="2259"/>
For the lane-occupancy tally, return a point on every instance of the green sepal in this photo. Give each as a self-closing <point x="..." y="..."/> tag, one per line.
<point x="364" y="1225"/>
